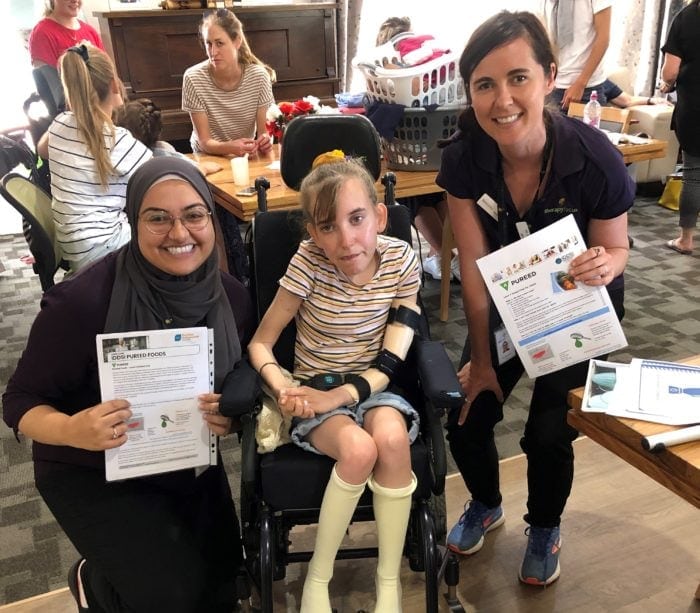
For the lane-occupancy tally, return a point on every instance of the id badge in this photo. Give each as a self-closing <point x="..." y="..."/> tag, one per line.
<point x="504" y="346"/>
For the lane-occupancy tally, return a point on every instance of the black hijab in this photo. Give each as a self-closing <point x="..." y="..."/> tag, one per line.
<point x="147" y="298"/>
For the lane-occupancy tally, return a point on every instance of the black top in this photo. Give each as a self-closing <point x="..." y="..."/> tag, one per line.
<point x="684" y="41"/>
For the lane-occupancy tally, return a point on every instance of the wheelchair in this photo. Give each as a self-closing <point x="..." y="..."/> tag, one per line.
<point x="284" y="488"/>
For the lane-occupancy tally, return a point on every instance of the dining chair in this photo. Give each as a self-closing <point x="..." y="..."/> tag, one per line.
<point x="612" y="119"/>
<point x="34" y="204"/>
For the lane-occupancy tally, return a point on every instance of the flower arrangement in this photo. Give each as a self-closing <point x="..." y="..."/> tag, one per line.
<point x="279" y="115"/>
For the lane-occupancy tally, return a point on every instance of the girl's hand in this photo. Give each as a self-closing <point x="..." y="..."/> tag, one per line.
<point x="474" y="380"/>
<point x="306" y="401"/>
<point x="208" y="405"/>
<point x="99" y="427"/>
<point x="242" y="146"/>
<point x="593" y="267"/>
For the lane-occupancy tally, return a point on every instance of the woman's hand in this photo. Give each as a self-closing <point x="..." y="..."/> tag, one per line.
<point x="243" y="146"/>
<point x="208" y="404"/>
<point x="306" y="401"/>
<point x="209" y="168"/>
<point x="264" y="143"/>
<point x="475" y="379"/>
<point x="99" y="427"/>
<point x="593" y="267"/>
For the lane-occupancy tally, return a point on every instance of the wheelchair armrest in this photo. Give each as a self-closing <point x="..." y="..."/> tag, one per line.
<point x="241" y="390"/>
<point x="437" y="375"/>
<point x="249" y="450"/>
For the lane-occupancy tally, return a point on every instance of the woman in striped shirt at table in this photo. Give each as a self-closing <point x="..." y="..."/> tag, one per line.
<point x="228" y="94"/>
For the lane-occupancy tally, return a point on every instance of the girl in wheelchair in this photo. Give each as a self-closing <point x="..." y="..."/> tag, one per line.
<point x="353" y="293"/>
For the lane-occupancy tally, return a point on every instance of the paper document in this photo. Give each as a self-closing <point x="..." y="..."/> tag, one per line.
<point x="160" y="373"/>
<point x="553" y="320"/>
<point x="650" y="390"/>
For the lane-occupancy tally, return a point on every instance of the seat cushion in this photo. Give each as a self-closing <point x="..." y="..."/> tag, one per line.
<point x="296" y="479"/>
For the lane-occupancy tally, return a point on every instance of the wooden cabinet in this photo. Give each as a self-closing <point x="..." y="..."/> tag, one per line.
<point x="152" y="50"/>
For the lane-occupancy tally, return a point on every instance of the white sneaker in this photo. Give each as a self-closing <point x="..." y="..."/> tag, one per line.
<point x="454" y="268"/>
<point x="431" y="265"/>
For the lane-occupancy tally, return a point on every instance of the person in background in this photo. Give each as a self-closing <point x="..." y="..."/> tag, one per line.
<point x="142" y="118"/>
<point x="167" y="542"/>
<point x="228" y="94"/>
<point x="615" y="96"/>
<point x="428" y="211"/>
<point x="340" y="286"/>
<point x="539" y="166"/>
<point x="580" y="29"/>
<point x="59" y="30"/>
<point x="90" y="159"/>
<point x="681" y="71"/>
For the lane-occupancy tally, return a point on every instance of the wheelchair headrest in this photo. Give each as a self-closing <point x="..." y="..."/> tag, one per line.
<point x="310" y="135"/>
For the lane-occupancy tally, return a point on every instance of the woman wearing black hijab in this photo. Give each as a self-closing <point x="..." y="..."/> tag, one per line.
<point x="168" y="542"/>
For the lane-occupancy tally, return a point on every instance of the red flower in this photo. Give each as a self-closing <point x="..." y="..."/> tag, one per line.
<point x="302" y="107"/>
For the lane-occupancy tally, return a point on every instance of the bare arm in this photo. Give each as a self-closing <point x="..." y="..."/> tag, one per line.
<point x="261" y="137"/>
<point x="210" y="145"/>
<point x="601" y="23"/>
<point x="669" y="72"/>
<point x="42" y="147"/>
<point x="477" y="375"/>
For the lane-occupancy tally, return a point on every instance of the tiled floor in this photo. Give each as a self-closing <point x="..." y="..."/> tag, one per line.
<point x="663" y="321"/>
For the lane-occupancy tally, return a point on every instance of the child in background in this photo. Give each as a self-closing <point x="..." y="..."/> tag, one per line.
<point x="340" y="287"/>
<point x="143" y="119"/>
<point x="413" y="49"/>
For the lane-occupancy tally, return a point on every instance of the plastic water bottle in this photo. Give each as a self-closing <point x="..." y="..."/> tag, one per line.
<point x="591" y="112"/>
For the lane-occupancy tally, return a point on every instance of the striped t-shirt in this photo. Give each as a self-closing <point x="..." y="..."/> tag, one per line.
<point x="340" y="325"/>
<point x="231" y="114"/>
<point x="87" y="215"/>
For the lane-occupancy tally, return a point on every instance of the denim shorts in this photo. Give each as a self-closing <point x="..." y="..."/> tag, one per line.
<point x="301" y="427"/>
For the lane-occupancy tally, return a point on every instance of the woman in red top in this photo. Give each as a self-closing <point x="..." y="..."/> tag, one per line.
<point x="59" y="30"/>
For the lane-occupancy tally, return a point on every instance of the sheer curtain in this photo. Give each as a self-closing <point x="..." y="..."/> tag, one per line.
<point x="348" y="34"/>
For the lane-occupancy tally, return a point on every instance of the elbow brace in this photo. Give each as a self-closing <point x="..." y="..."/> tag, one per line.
<point x="398" y="336"/>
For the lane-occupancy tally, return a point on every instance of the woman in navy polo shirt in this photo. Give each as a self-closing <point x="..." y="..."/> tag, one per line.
<point x="540" y="167"/>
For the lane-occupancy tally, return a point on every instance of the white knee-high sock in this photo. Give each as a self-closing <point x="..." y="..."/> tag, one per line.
<point x="339" y="502"/>
<point x="392" y="508"/>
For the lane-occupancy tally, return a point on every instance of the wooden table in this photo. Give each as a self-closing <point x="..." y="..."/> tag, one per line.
<point x="650" y="150"/>
<point x="676" y="468"/>
<point x="279" y="196"/>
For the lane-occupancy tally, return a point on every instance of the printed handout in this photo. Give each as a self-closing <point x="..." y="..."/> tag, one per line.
<point x="650" y="390"/>
<point x="160" y="373"/>
<point x="552" y="320"/>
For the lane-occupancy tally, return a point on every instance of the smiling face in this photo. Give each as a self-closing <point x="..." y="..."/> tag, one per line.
<point x="180" y="251"/>
<point x="350" y="240"/>
<point x="66" y="8"/>
<point x="222" y="50"/>
<point x="508" y="89"/>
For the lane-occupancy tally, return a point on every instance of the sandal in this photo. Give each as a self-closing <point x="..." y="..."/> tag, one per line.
<point x="673" y="246"/>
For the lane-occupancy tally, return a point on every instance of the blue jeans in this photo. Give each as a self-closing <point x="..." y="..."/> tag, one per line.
<point x="557" y="96"/>
<point x="689" y="203"/>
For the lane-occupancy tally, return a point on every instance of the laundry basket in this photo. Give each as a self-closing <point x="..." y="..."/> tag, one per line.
<point x="435" y="82"/>
<point x="414" y="144"/>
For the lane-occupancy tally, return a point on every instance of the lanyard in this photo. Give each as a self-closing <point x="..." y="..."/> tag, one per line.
<point x="502" y="209"/>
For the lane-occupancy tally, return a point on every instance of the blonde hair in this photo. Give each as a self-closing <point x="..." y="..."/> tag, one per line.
<point x="233" y="27"/>
<point x="391" y="27"/>
<point x="88" y="75"/>
<point x="319" y="189"/>
<point x="49" y="8"/>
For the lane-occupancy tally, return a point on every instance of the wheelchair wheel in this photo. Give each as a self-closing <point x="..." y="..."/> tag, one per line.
<point x="438" y="510"/>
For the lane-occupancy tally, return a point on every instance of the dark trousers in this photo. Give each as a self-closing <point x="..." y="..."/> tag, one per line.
<point x="546" y="441"/>
<point x="169" y="543"/>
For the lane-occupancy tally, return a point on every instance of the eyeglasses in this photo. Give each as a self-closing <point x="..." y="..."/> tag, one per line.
<point x="160" y="222"/>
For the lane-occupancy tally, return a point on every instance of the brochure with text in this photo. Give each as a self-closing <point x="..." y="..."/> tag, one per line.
<point x="650" y="390"/>
<point x="160" y="373"/>
<point x="553" y="320"/>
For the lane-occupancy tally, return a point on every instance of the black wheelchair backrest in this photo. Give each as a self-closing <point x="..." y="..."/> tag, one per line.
<point x="310" y="135"/>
